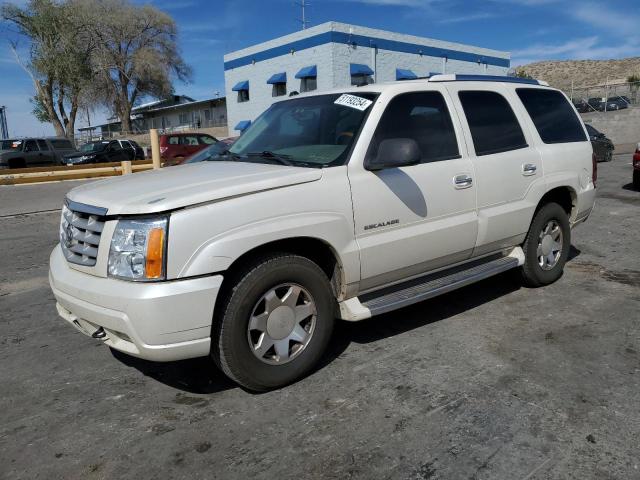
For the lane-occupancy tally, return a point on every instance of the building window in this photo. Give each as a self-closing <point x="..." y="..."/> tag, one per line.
<point x="308" y="84"/>
<point x="184" y="119"/>
<point x="243" y="91"/>
<point x="360" y="74"/>
<point x="207" y="115"/>
<point x="279" y="89"/>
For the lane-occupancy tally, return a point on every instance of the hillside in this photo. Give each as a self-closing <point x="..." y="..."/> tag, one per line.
<point x="583" y="72"/>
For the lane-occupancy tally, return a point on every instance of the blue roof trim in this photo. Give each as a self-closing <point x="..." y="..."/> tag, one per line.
<point x="278" y="78"/>
<point x="495" y="78"/>
<point x="403" y="74"/>
<point x="242" y="125"/>
<point x="241" y="86"/>
<point x="308" y="72"/>
<point x="364" y="41"/>
<point x="360" y="69"/>
<point x="431" y="74"/>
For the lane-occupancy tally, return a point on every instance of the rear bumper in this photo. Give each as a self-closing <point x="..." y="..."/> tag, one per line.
<point x="161" y="321"/>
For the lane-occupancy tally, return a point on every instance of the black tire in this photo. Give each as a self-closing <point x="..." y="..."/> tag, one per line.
<point x="636" y="179"/>
<point x="17" y="163"/>
<point x="608" y="156"/>
<point x="230" y="348"/>
<point x="533" y="275"/>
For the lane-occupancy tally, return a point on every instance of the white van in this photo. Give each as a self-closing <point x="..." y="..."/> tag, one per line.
<point x="347" y="204"/>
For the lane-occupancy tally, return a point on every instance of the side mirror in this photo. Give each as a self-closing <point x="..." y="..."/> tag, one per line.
<point x="394" y="153"/>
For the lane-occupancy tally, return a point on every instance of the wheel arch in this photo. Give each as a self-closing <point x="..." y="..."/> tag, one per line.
<point x="565" y="196"/>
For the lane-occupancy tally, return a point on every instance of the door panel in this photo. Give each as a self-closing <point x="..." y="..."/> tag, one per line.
<point x="414" y="219"/>
<point x="505" y="178"/>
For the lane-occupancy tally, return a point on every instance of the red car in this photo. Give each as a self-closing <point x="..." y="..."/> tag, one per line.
<point x="636" y="168"/>
<point x="175" y="147"/>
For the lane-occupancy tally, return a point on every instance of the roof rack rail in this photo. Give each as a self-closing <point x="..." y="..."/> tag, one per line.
<point x="453" y="77"/>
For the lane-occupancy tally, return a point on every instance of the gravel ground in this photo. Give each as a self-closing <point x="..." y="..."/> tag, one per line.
<point x="493" y="381"/>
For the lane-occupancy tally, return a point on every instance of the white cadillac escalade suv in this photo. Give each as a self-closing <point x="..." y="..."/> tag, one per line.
<point x="348" y="204"/>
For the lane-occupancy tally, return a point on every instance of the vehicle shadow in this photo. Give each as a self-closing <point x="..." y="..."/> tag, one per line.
<point x="201" y="376"/>
<point x="630" y="187"/>
<point x="196" y="375"/>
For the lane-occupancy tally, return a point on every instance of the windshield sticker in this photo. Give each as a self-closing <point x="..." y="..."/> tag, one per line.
<point x="353" y="101"/>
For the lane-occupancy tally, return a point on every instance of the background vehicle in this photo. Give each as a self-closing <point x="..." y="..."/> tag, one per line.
<point x="602" y="146"/>
<point x="595" y="103"/>
<point x="175" y="147"/>
<point x="351" y="203"/>
<point x="582" y="106"/>
<point x="99" y="152"/>
<point x="135" y="151"/>
<point x="614" y="103"/>
<point x="636" y="168"/>
<point x="31" y="152"/>
<point x="211" y="152"/>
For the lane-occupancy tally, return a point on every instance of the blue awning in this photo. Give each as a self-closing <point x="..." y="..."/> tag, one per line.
<point x="242" y="125"/>
<point x="308" y="72"/>
<point x="241" y="86"/>
<point x="278" y="78"/>
<point x="402" y="74"/>
<point x="360" y="69"/>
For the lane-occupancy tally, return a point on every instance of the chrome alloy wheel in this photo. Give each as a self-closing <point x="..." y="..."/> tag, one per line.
<point x="549" y="245"/>
<point x="282" y="323"/>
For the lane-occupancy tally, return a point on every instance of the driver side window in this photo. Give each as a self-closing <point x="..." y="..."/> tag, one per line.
<point x="423" y="117"/>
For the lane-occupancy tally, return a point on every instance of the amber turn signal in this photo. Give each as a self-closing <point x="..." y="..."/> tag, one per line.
<point x="155" y="252"/>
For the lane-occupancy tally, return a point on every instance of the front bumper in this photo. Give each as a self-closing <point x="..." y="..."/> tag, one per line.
<point x="161" y="321"/>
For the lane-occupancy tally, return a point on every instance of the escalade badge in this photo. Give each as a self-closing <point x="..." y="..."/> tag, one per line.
<point x="382" y="224"/>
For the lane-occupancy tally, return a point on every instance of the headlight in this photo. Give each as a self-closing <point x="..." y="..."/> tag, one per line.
<point x="138" y="250"/>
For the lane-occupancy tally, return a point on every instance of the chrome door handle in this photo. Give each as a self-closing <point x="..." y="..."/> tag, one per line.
<point x="529" y="169"/>
<point x="462" y="181"/>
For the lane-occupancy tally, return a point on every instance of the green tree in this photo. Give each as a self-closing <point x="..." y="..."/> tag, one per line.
<point x="59" y="51"/>
<point x="137" y="55"/>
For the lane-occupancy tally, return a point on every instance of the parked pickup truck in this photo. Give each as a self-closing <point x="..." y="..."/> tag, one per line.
<point x="348" y="203"/>
<point x="32" y="152"/>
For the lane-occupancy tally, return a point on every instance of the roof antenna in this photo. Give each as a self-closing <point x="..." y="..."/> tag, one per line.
<point x="303" y="4"/>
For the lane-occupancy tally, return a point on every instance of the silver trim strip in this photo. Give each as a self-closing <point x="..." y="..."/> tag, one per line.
<point x="84" y="208"/>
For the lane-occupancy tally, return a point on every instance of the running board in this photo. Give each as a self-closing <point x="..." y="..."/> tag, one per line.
<point x="427" y="287"/>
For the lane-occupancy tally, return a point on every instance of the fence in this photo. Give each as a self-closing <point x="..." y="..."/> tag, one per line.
<point x="607" y="90"/>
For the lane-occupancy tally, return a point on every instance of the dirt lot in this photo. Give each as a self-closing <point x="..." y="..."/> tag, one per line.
<point x="493" y="381"/>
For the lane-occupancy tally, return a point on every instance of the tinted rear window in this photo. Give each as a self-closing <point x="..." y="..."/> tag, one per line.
<point x="552" y="115"/>
<point x="494" y="127"/>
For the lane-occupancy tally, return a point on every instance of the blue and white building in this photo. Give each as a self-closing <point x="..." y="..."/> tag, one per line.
<point x="333" y="55"/>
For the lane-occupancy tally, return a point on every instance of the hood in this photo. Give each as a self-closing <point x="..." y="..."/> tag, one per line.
<point x="184" y="185"/>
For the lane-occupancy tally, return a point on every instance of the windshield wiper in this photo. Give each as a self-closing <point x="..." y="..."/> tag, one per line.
<point x="224" y="153"/>
<point x="283" y="159"/>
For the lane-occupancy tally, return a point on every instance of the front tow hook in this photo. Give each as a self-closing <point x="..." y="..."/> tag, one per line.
<point x="99" y="334"/>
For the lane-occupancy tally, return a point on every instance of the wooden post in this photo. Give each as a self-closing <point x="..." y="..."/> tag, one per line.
<point x="155" y="148"/>
<point x="126" y="167"/>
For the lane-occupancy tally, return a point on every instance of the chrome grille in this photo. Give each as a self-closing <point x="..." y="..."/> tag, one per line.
<point x="80" y="234"/>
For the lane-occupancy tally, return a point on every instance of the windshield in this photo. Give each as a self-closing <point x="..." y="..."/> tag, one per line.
<point x="10" y="144"/>
<point x="212" y="152"/>
<point x="93" y="147"/>
<point x="315" y="131"/>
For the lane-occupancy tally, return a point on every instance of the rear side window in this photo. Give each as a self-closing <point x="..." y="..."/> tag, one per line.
<point x="552" y="115"/>
<point x="423" y="117"/>
<point x="43" y="145"/>
<point x="494" y="127"/>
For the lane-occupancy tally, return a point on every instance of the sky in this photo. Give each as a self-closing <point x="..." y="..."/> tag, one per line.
<point x="531" y="30"/>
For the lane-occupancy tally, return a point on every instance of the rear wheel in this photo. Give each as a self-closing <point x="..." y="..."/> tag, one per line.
<point x="546" y="246"/>
<point x="275" y="323"/>
<point x="608" y="156"/>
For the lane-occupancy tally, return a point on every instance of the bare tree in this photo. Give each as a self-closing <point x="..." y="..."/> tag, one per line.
<point x="59" y="52"/>
<point x="137" y="55"/>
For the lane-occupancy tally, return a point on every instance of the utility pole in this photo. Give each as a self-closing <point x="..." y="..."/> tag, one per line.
<point x="303" y="4"/>
<point x="4" y="130"/>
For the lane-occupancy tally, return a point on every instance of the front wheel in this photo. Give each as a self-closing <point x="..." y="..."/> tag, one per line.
<point x="275" y="323"/>
<point x="546" y="247"/>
